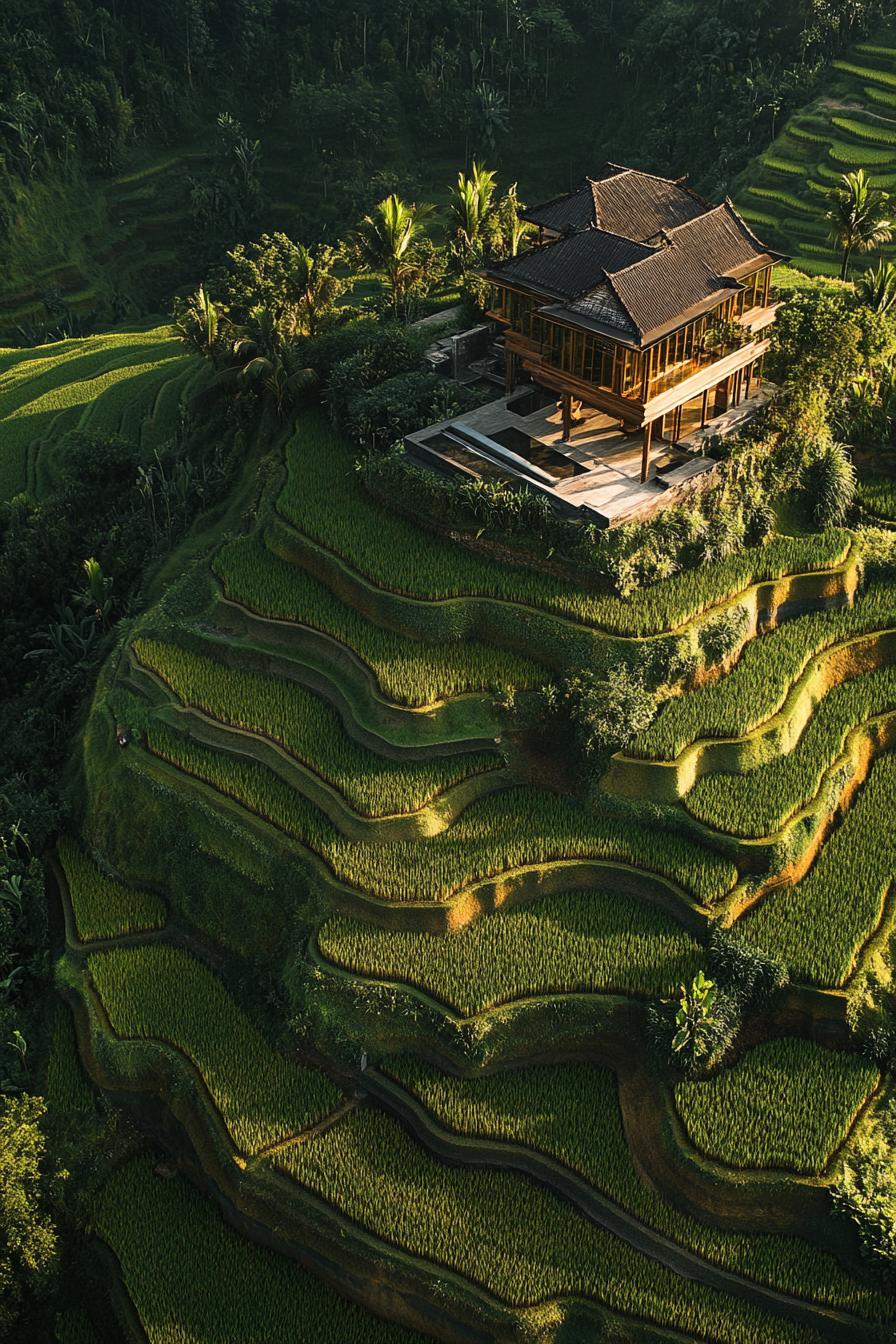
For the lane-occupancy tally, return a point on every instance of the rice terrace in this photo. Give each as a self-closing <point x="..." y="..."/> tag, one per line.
<point x="448" y="659"/>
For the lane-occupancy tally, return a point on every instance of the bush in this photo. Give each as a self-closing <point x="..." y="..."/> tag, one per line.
<point x="721" y="636"/>
<point x="831" y="486"/>
<point x="395" y="407"/>
<point x="609" y="711"/>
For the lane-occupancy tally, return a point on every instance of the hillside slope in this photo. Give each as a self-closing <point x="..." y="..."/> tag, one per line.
<point x="850" y="125"/>
<point x="131" y="382"/>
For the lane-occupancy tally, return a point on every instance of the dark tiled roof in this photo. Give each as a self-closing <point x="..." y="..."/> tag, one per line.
<point x="620" y="200"/>
<point x="693" y="268"/>
<point x="571" y="266"/>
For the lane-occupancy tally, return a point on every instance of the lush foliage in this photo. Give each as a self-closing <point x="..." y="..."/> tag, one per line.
<point x="309" y="728"/>
<point x="104" y="908"/>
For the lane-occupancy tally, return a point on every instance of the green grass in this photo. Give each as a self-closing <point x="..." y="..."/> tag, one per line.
<point x="570" y="1112"/>
<point x="104" y="908"/>
<point x="310" y="729"/>
<point x="579" y="942"/>
<point x="759" y="802"/>
<point x="851" y="157"/>
<point x="878" y="495"/>
<point x="161" y="993"/>
<point x="756" y="687"/>
<point x="867" y="74"/>
<point x="820" y="925"/>
<point x="324" y="498"/>
<point x="66" y="1088"/>
<point x="409" y="672"/>
<point x="787" y="1104"/>
<point x="519" y="1241"/>
<point x="193" y="1279"/>
<point x="508" y="830"/>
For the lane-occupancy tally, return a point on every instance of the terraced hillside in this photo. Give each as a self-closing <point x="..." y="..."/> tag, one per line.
<point x="851" y="125"/>
<point x="130" y="382"/>
<point x="367" y="958"/>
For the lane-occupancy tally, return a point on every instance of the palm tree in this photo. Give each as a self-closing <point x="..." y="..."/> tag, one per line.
<point x="319" y="288"/>
<point x="199" y="322"/>
<point x="263" y="358"/>
<point x="877" y="287"/>
<point x="858" y="217"/>
<point x="388" y="240"/>
<point x="470" y="206"/>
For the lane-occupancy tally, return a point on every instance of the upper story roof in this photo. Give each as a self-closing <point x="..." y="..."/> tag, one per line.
<point x="620" y="200"/>
<point x="668" y="257"/>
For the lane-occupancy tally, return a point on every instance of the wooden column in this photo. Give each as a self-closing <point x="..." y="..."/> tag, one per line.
<point x="566" y="403"/>
<point x="646" y="436"/>
<point x="704" y="409"/>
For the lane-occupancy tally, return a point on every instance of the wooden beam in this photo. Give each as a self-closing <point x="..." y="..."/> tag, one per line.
<point x="646" y="436"/>
<point x="509" y="371"/>
<point x="704" y="408"/>
<point x="566" y="404"/>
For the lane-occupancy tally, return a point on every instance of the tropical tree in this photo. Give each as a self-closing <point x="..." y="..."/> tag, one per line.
<point x="470" y="206"/>
<point x="831" y="485"/>
<point x="298" y="285"/>
<point x="392" y="239"/>
<point x="508" y="231"/>
<point x="695" y="1020"/>
<point x="858" y="217"/>
<point x="263" y="358"/>
<point x="877" y="287"/>
<point x="201" y="324"/>
<point x="27" y="1234"/>
<point x="491" y="114"/>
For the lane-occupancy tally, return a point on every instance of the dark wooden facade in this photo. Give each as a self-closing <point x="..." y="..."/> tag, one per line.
<point x="592" y="315"/>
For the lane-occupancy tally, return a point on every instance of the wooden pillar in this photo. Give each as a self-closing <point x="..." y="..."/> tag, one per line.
<point x="704" y="408"/>
<point x="566" y="403"/>
<point x="509" y="371"/>
<point x="676" y="425"/>
<point x="646" y="435"/>
<point x="749" y="375"/>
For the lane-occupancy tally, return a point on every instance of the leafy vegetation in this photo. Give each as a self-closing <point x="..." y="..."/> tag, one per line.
<point x="104" y="908"/>
<point x="410" y="672"/>
<point x="259" y="1295"/>
<point x="309" y="728"/>
<point x="756" y="688"/>
<point x="571" y="1112"/>
<point x="510" y="830"/>
<point x="820" y="924"/>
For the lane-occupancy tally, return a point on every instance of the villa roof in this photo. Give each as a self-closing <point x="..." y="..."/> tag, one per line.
<point x="642" y="285"/>
<point x="573" y="265"/>
<point x="621" y="200"/>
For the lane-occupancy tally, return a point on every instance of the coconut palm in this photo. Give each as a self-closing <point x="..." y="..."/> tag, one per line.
<point x="470" y="205"/>
<point x="200" y="323"/>
<point x="389" y="239"/>
<point x="858" y="217"/>
<point x="877" y="287"/>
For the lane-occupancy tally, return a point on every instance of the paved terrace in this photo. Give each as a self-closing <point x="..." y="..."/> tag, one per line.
<point x="609" y="460"/>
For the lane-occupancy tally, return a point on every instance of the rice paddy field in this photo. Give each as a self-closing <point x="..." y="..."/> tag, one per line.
<point x="129" y="382"/>
<point x="346" y="920"/>
<point x="851" y="125"/>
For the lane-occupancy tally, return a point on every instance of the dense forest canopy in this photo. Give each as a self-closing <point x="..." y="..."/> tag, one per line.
<point x="78" y="80"/>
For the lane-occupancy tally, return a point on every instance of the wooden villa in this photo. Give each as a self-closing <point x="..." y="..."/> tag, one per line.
<point x="644" y="314"/>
